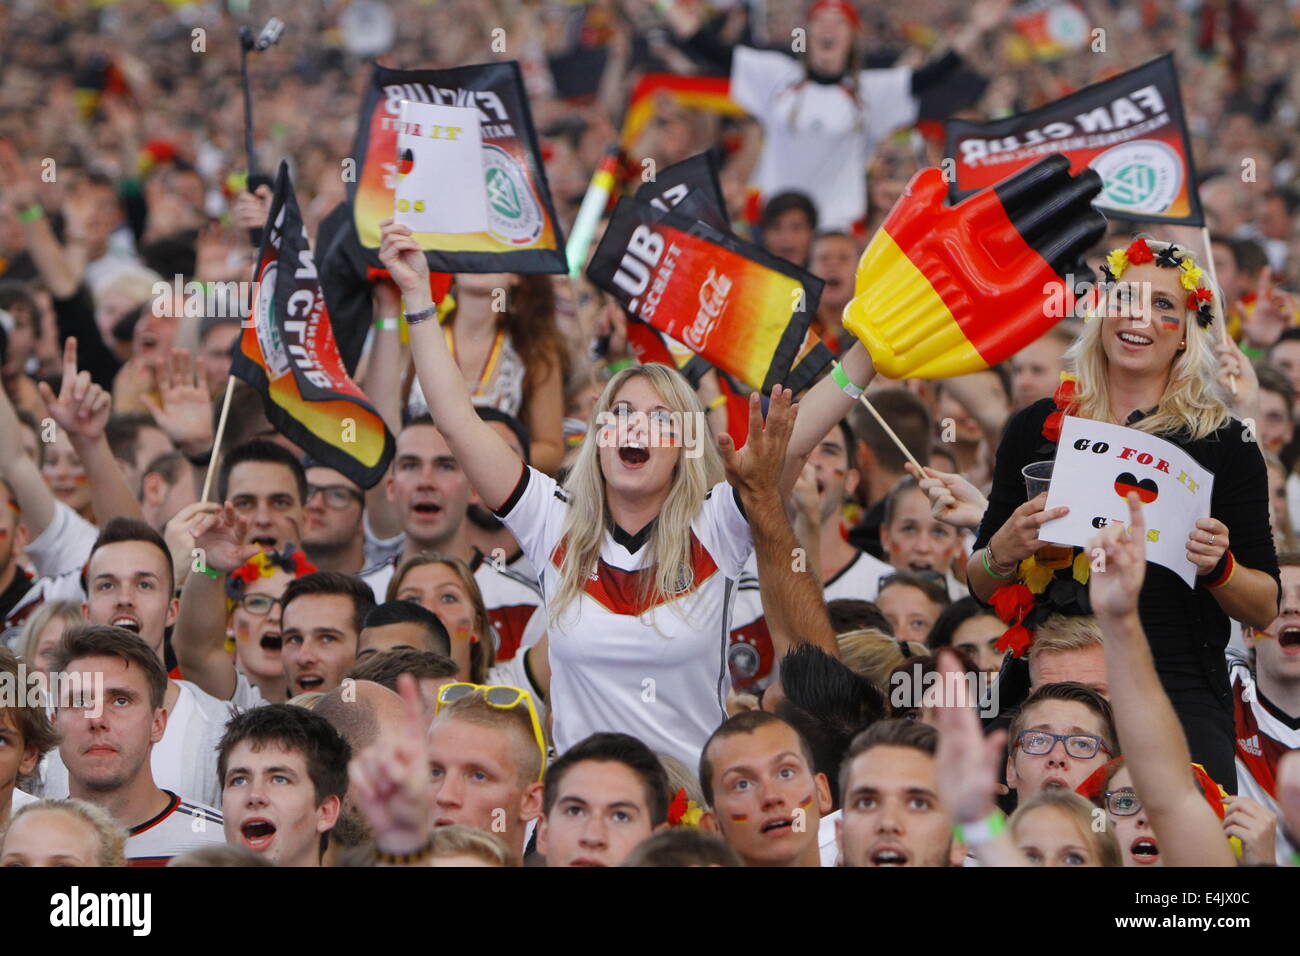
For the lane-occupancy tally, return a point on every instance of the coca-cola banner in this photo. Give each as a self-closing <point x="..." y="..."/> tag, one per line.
<point x="739" y="307"/>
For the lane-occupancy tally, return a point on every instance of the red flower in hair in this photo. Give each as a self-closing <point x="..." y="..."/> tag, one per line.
<point x="1012" y="602"/>
<point x="1015" y="639"/>
<point x="677" y="808"/>
<point x="1063" y="396"/>
<point x="1198" y="296"/>
<point x="1139" y="253"/>
<point x="247" y="572"/>
<point x="301" y="565"/>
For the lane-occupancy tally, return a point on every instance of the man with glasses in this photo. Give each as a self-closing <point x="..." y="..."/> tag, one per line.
<point x="333" y="511"/>
<point x="1062" y="734"/>
<point x="486" y="759"/>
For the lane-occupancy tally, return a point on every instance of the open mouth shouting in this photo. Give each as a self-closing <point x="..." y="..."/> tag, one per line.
<point x="888" y="854"/>
<point x="257" y="833"/>
<point x="1289" y="640"/>
<point x="425" y="508"/>
<point x="633" y="456"/>
<point x="265" y="542"/>
<point x="271" y="642"/>
<point x="309" y="682"/>
<point x="128" y="622"/>
<point x="1145" y="851"/>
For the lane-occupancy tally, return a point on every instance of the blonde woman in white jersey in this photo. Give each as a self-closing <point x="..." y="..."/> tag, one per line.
<point x="639" y="553"/>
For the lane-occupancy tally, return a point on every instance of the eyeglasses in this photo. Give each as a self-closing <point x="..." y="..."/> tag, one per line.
<point x="1039" y="742"/>
<point x="259" y="605"/>
<point x="1123" y="803"/>
<point x="502" y="697"/>
<point x="337" y="497"/>
<point x="928" y="574"/>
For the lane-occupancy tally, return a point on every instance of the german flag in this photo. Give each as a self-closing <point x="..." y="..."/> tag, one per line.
<point x="709" y="93"/>
<point x="949" y="290"/>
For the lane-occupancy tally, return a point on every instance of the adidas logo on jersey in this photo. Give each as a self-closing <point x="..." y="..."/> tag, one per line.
<point x="1250" y="745"/>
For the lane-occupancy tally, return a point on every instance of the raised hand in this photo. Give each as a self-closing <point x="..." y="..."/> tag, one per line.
<point x="405" y="262"/>
<point x="1114" y="588"/>
<point x="81" y="408"/>
<point x="252" y="209"/>
<point x="183" y="408"/>
<point x="1234" y="366"/>
<point x="966" y="761"/>
<point x="218" y="532"/>
<point x="390" y="779"/>
<point x="1256" y="827"/>
<point x="953" y="499"/>
<point x="756" y="468"/>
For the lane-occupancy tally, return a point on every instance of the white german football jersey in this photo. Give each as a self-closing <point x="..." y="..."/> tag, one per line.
<point x="183" y="826"/>
<point x="655" y="670"/>
<point x="1262" y="739"/>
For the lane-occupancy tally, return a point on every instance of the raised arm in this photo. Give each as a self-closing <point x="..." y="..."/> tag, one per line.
<point x="1149" y="733"/>
<point x="383" y="373"/>
<point x="493" y="468"/>
<point x="793" y="602"/>
<point x="32" y="496"/>
<point x="199" y="637"/>
<point x="824" y="405"/>
<point x="81" y="409"/>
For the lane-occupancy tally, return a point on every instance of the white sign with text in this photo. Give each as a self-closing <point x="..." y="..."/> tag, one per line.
<point x="440" y="184"/>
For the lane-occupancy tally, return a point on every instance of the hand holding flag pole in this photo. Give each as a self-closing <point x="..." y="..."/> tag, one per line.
<point x="269" y="36"/>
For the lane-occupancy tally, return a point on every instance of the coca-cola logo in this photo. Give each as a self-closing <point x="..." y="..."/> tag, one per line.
<point x="713" y="301"/>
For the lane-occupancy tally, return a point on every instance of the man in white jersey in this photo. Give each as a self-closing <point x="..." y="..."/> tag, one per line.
<point x="846" y="571"/>
<point x="1266" y="699"/>
<point x="110" y="721"/>
<point x="427" y="499"/>
<point x="128" y="584"/>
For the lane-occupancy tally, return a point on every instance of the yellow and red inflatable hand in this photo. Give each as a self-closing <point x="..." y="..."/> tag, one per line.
<point x="949" y="290"/>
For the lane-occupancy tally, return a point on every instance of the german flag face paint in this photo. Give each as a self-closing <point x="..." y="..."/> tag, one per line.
<point x="945" y="291"/>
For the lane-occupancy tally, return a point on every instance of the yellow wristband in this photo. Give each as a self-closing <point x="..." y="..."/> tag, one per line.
<point x="717" y="402"/>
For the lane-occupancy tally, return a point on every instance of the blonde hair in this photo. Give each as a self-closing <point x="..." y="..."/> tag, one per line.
<point x="668" y="551"/>
<point x="69" y="612"/>
<point x="308" y="699"/>
<point x="874" y="654"/>
<point x="681" y="777"/>
<point x="111" y="836"/>
<point x="475" y="709"/>
<point x="1096" y="828"/>
<point x="1065" y="632"/>
<point x="482" y="653"/>
<point x="1192" y="402"/>
<point x="460" y="840"/>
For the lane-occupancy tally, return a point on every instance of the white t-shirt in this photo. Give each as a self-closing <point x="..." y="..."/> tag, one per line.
<point x="660" y="676"/>
<point x="185" y="760"/>
<point x="830" y="850"/>
<point x="20" y="800"/>
<point x="64" y="546"/>
<point x="183" y="826"/>
<point x="513" y="673"/>
<point x="1261" y="741"/>
<point x="819" y="137"/>
<point x="750" y="654"/>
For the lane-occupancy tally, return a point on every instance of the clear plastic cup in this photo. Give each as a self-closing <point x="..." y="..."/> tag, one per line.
<point x="1038" y="477"/>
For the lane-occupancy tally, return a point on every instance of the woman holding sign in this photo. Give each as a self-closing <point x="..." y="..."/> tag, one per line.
<point x="639" y="551"/>
<point x="1147" y="362"/>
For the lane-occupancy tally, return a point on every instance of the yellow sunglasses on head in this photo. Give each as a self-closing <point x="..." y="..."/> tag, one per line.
<point x="502" y="697"/>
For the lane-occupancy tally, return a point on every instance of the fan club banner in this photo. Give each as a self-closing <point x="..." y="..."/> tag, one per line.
<point x="1130" y="129"/>
<point x="288" y="353"/>
<point x="521" y="234"/>
<point x="738" y="307"/>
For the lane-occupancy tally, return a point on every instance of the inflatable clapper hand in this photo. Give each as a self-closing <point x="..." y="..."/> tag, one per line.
<point x="949" y="290"/>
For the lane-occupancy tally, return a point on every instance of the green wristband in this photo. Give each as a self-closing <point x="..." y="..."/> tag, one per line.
<point x="981" y="831"/>
<point x="989" y="568"/>
<point x="841" y="378"/>
<point x="210" y="572"/>
<point x="32" y="213"/>
<point x="619" y="365"/>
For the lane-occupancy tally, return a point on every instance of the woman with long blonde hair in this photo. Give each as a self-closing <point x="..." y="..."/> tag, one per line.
<point x="1147" y="361"/>
<point x="639" y="552"/>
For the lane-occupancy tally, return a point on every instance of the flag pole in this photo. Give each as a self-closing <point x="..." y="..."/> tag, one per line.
<point x="216" y="439"/>
<point x="1214" y="277"/>
<point x="890" y="432"/>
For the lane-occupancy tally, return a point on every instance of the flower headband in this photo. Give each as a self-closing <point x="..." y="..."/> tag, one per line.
<point x="1199" y="299"/>
<point x="264" y="564"/>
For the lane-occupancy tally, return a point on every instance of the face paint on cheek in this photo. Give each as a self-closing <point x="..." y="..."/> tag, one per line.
<point x="1168" y="323"/>
<point x="81" y="480"/>
<point x="807" y="803"/>
<point x="740" y="818"/>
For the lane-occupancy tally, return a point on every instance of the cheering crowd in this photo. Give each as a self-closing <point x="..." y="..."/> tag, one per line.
<point x="566" y="627"/>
